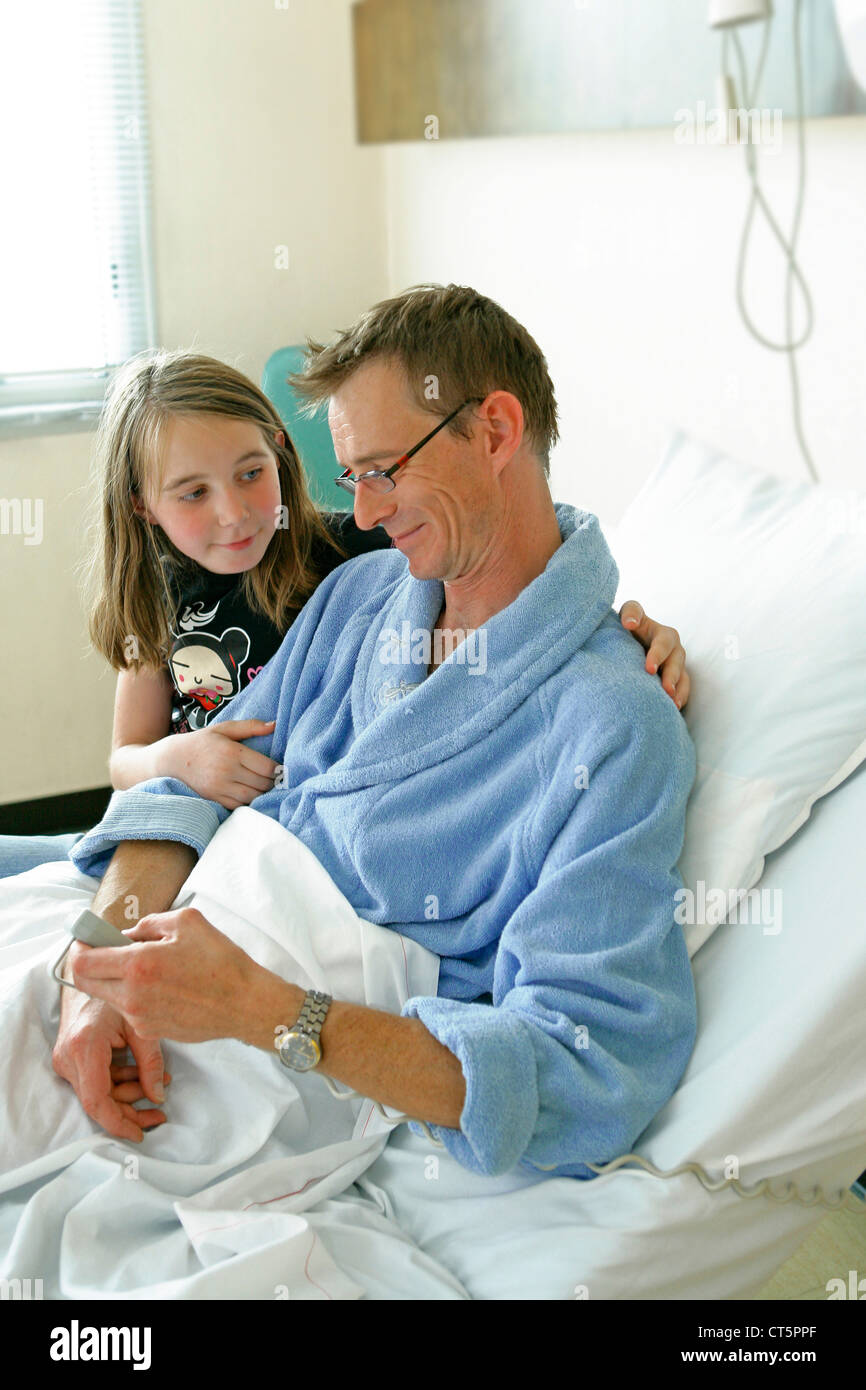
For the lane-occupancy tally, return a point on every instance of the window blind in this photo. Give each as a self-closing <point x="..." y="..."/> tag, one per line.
<point x="76" y="292"/>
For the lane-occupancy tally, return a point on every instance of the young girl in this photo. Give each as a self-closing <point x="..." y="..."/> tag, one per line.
<point x="207" y="544"/>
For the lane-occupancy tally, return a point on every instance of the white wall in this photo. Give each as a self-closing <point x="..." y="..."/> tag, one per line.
<point x="618" y="252"/>
<point x="253" y="146"/>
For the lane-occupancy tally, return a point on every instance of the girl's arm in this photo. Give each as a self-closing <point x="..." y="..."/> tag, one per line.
<point x="213" y="762"/>
<point x="142" y="720"/>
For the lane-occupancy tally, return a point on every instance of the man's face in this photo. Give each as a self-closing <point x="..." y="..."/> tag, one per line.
<point x="439" y="513"/>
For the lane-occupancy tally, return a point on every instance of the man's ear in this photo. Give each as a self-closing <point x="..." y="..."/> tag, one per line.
<point x="502" y="413"/>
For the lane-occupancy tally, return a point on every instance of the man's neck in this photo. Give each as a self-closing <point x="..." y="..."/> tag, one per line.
<point x="518" y="555"/>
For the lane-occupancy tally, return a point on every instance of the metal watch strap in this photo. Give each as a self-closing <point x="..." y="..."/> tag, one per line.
<point x="313" y="1013"/>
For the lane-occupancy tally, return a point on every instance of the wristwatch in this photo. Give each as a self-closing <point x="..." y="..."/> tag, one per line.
<point x="300" y="1048"/>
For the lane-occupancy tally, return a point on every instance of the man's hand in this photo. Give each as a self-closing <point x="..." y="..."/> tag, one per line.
<point x="183" y="979"/>
<point x="665" y="652"/>
<point x="88" y="1034"/>
<point x="149" y="875"/>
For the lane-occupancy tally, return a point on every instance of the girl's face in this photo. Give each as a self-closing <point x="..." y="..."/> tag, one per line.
<point x="220" y="492"/>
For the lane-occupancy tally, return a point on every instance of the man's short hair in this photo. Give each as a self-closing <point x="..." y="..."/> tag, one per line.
<point x="453" y="344"/>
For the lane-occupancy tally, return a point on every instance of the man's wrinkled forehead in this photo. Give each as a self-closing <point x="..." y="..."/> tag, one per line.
<point x="371" y="415"/>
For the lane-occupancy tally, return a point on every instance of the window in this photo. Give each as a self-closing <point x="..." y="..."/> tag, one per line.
<point x="75" y="270"/>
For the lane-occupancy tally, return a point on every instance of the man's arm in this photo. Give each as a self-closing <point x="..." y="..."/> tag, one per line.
<point x="594" y="1015"/>
<point x="144" y="876"/>
<point x="183" y="979"/>
<point x="166" y="808"/>
<point x="393" y="1060"/>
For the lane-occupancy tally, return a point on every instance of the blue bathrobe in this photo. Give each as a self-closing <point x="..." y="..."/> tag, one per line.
<point x="520" y="812"/>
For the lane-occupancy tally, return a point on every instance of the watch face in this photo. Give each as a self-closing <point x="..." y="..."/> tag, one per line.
<point x="299" y="1051"/>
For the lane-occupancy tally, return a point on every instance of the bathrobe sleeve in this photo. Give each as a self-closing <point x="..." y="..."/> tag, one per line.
<point x="593" y="1017"/>
<point x="167" y="809"/>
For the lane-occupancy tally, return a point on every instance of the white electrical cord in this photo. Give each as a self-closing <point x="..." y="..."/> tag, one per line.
<point x="63" y="954"/>
<point x="788" y="346"/>
<point x="843" y="1200"/>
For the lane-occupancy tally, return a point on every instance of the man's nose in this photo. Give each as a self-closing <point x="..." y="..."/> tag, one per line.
<point x="372" y="508"/>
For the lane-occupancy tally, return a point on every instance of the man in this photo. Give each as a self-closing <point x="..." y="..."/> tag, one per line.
<point x="471" y="749"/>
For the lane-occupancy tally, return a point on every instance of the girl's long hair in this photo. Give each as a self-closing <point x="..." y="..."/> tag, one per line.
<point x="134" y="574"/>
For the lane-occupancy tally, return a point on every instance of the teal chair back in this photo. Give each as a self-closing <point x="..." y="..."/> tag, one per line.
<point x="310" y="435"/>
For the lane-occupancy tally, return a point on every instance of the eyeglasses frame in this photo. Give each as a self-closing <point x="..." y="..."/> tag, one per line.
<point x="349" y="484"/>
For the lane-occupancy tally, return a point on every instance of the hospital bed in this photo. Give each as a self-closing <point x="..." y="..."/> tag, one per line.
<point x="767" y="1128"/>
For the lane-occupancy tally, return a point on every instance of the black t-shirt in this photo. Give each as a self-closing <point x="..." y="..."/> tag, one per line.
<point x="220" y="644"/>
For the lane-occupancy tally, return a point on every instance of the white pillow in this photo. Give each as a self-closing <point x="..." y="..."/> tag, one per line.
<point x="765" y="580"/>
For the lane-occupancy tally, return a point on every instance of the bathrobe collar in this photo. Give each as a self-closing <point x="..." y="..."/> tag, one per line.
<point x="406" y="720"/>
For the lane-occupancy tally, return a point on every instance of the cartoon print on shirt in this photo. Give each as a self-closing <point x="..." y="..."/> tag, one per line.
<point x="206" y="671"/>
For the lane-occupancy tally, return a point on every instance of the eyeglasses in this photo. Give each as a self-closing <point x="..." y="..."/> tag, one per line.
<point x="380" y="480"/>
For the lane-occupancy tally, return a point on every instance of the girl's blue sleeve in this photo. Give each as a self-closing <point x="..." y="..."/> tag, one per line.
<point x="593" y="1017"/>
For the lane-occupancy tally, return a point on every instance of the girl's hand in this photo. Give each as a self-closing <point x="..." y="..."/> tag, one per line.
<point x="215" y="763"/>
<point x="665" y="652"/>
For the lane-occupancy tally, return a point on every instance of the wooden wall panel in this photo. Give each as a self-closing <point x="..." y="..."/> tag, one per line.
<point x="524" y="67"/>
